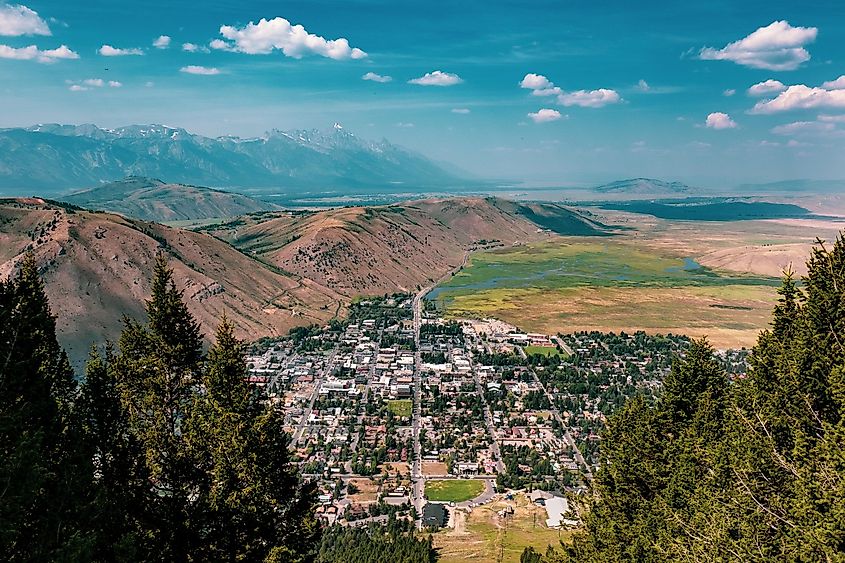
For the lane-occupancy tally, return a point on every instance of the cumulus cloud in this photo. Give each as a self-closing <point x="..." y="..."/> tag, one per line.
<point x="539" y="85"/>
<point x="373" y="77"/>
<point x="642" y="86"/>
<point x="89" y="83"/>
<point x="838" y="84"/>
<point x="461" y="111"/>
<point x="542" y="86"/>
<point x="777" y="46"/>
<point x="294" y="41"/>
<point x="535" y="82"/>
<point x="589" y="98"/>
<point x="766" y="87"/>
<point x="544" y="115"/>
<point x="109" y="51"/>
<point x="200" y="70"/>
<point x="719" y="120"/>
<point x="800" y="96"/>
<point x="729" y="92"/>
<point x="194" y="48"/>
<point x="803" y="127"/>
<point x="162" y="42"/>
<point x="437" y="78"/>
<point x="17" y="20"/>
<point x="33" y="53"/>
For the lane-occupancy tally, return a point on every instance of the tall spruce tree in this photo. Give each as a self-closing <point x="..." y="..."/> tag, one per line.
<point x="256" y="506"/>
<point x="44" y="468"/>
<point x="157" y="373"/>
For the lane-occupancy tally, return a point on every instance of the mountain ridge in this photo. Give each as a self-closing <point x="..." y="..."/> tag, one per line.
<point x="61" y="157"/>
<point x="152" y="199"/>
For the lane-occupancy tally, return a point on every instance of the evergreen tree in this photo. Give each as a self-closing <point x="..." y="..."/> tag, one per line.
<point x="44" y="468"/>
<point x="121" y="480"/>
<point x="156" y="373"/>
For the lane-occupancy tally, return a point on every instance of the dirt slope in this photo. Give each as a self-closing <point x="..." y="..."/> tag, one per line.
<point x="373" y="250"/>
<point x="97" y="267"/>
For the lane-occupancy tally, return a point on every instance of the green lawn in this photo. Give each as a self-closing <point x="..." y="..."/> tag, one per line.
<point x="453" y="490"/>
<point x="401" y="407"/>
<point x="542" y="350"/>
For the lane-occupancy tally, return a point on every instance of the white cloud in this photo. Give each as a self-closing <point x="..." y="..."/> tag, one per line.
<point x="17" y="20"/>
<point x="149" y="84"/>
<point x="461" y="111"/>
<point x="838" y="84"/>
<point x="800" y="96"/>
<point x="404" y="125"/>
<point x="545" y="115"/>
<point x="777" y="46"/>
<point x="34" y="53"/>
<point x="201" y="70"/>
<point x="766" y="87"/>
<point x="729" y="92"/>
<point x="88" y="83"/>
<point x="437" y="78"/>
<point x="803" y="127"/>
<point x="162" y="42"/>
<point x="109" y="51"/>
<point x="832" y="118"/>
<point x="589" y="98"/>
<point x="372" y="76"/>
<point x="535" y="82"/>
<point x="539" y="85"/>
<point x="719" y="120"/>
<point x="642" y="86"/>
<point x="194" y="48"/>
<point x="263" y="37"/>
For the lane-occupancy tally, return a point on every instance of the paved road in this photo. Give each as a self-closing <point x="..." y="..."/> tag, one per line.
<point x="488" y="419"/>
<point x="417" y="478"/>
<point x="567" y="436"/>
<point x="303" y="422"/>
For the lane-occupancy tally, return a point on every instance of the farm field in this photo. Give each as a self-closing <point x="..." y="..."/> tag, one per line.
<point x="453" y="490"/>
<point x="482" y="535"/>
<point x="617" y="284"/>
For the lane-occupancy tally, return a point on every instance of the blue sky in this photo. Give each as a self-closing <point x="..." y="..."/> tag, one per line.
<point x="556" y="92"/>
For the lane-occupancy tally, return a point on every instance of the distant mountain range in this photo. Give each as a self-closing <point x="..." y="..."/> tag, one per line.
<point x="153" y="200"/>
<point x="643" y="186"/>
<point x="60" y="157"/>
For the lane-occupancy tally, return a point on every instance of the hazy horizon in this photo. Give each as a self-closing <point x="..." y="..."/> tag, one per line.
<point x="714" y="95"/>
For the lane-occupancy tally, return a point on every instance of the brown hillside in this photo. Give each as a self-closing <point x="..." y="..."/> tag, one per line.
<point x="373" y="250"/>
<point x="97" y="267"/>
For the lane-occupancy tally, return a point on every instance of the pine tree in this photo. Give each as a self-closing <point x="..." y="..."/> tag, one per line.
<point x="44" y="469"/>
<point x="256" y="506"/>
<point x="121" y="479"/>
<point x="156" y="372"/>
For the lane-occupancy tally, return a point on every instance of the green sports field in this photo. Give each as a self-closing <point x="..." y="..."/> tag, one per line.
<point x="453" y="490"/>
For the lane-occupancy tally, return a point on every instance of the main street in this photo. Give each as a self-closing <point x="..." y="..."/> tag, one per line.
<point x="418" y="489"/>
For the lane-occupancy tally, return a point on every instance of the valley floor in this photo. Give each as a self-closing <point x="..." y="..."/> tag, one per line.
<point x="717" y="280"/>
